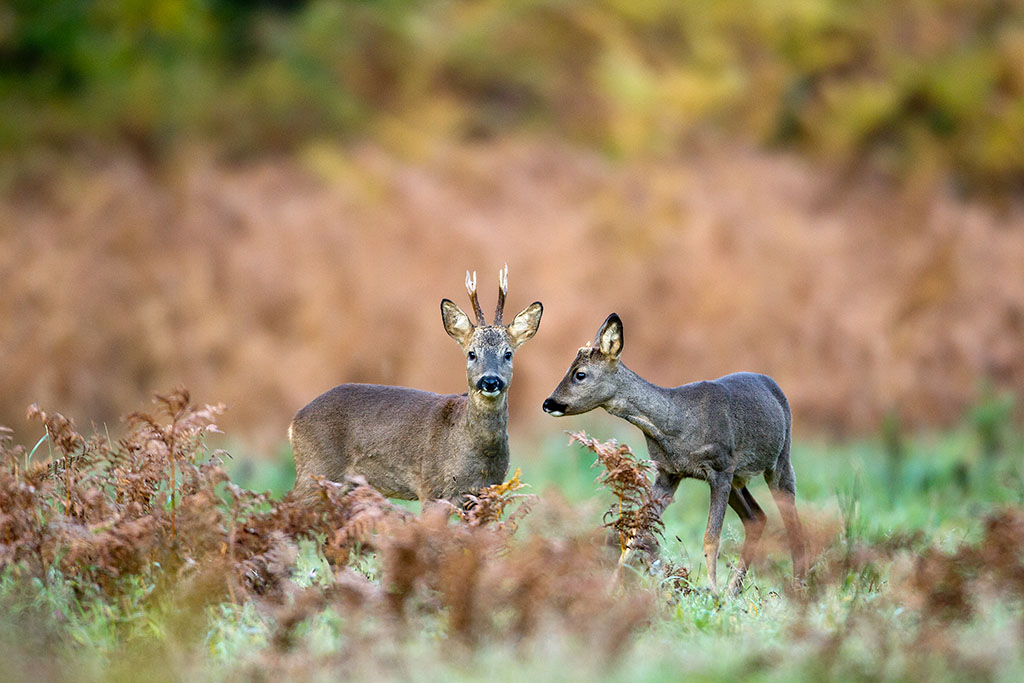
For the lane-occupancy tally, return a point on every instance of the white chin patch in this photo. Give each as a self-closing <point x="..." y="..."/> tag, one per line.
<point x="490" y="394"/>
<point x="556" y="413"/>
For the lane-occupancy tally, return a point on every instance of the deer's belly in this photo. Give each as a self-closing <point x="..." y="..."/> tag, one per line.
<point x="390" y="478"/>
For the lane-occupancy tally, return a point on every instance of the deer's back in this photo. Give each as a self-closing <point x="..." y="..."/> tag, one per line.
<point x="745" y="412"/>
<point x="389" y="435"/>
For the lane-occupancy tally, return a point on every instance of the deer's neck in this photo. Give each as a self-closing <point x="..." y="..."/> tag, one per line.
<point x="486" y="424"/>
<point x="642" y="403"/>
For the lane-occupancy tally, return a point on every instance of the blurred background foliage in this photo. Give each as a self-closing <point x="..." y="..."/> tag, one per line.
<point x="916" y="88"/>
<point x="263" y="199"/>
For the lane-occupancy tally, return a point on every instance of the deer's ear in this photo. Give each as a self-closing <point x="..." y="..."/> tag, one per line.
<point x="456" y="323"/>
<point x="525" y="324"/>
<point x="609" y="337"/>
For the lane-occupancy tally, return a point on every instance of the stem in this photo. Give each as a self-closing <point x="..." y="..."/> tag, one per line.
<point x="174" y="478"/>
<point x="67" y="485"/>
<point x="623" y="544"/>
<point x="44" y="437"/>
<point x="231" y="549"/>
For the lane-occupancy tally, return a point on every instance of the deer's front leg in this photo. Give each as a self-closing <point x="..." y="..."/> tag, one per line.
<point x="721" y="485"/>
<point x="665" y="485"/>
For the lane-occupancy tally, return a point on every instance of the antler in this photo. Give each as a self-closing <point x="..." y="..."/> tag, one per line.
<point x="502" y="291"/>
<point x="471" y="288"/>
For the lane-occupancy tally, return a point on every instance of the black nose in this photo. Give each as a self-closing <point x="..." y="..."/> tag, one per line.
<point x="490" y="384"/>
<point x="553" y="406"/>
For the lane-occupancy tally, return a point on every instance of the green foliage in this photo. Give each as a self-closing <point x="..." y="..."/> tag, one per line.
<point x="913" y="87"/>
<point x="992" y="420"/>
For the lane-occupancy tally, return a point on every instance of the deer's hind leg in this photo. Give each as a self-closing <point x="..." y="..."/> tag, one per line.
<point x="754" y="521"/>
<point x="782" y="482"/>
<point x="721" y="487"/>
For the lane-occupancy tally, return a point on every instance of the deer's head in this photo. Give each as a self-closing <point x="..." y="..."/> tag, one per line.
<point x="591" y="379"/>
<point x="489" y="349"/>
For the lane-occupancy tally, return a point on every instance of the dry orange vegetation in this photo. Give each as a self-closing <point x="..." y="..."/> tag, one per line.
<point x="150" y="531"/>
<point x="156" y="505"/>
<point x="267" y="283"/>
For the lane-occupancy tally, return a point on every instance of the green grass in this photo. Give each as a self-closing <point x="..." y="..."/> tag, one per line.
<point x="935" y="489"/>
<point x="941" y="486"/>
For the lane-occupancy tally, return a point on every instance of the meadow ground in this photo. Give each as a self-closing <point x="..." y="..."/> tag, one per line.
<point x="918" y="575"/>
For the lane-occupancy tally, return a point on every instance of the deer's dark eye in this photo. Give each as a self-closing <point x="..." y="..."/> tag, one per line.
<point x="508" y="355"/>
<point x="580" y="376"/>
<point x="471" y="355"/>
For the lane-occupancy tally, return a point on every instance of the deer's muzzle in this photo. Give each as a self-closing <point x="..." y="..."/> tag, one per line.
<point x="553" y="407"/>
<point x="490" y="385"/>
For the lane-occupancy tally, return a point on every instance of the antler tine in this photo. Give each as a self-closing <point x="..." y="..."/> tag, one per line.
<point x="502" y="291"/>
<point x="471" y="288"/>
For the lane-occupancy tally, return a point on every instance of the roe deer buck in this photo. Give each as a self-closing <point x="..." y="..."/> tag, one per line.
<point x="414" y="444"/>
<point x="724" y="431"/>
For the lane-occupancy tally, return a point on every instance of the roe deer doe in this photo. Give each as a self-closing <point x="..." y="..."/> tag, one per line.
<point x="724" y="431"/>
<point x="414" y="444"/>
